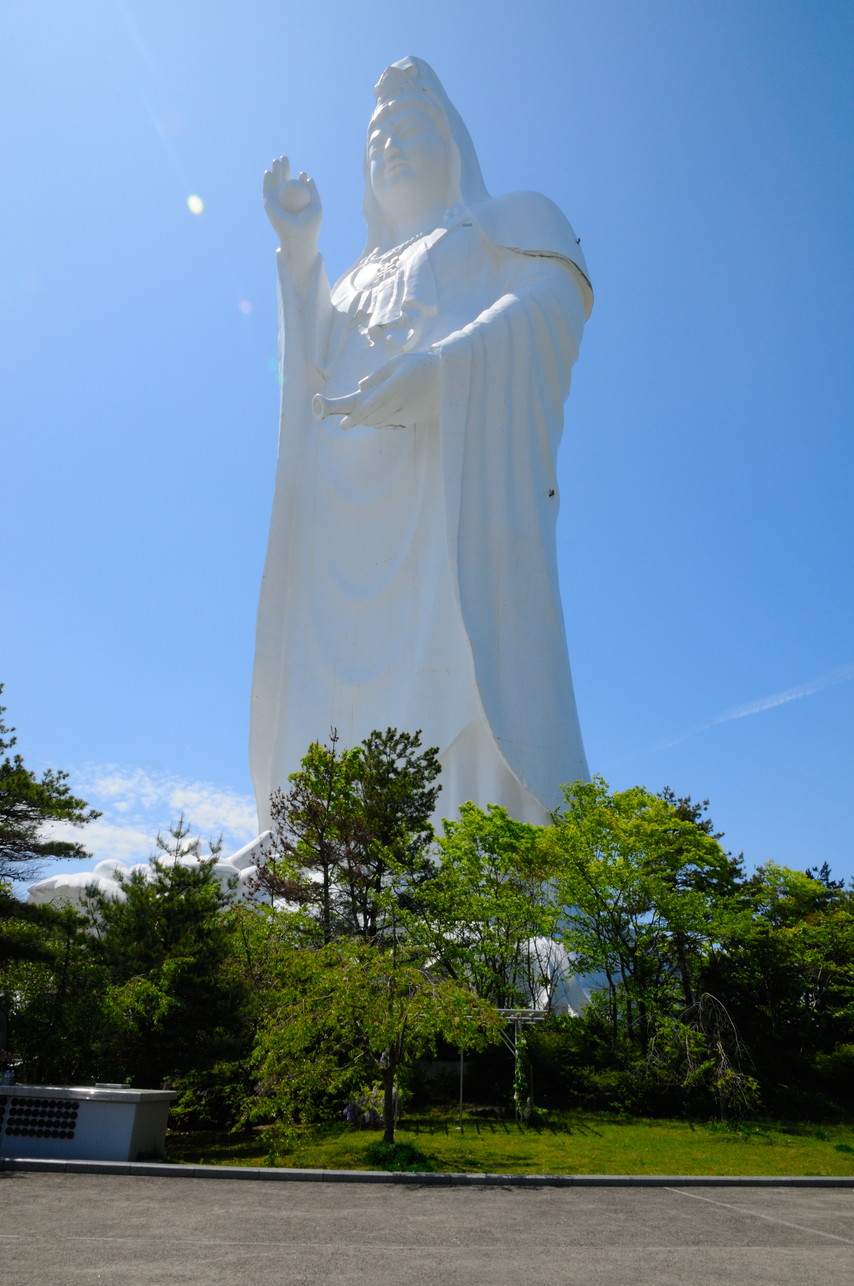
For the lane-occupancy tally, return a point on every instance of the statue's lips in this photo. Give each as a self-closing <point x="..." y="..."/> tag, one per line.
<point x="395" y="167"/>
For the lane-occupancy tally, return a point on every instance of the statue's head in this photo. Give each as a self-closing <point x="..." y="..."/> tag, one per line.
<point x="419" y="154"/>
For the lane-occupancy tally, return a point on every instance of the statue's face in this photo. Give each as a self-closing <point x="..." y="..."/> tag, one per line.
<point x="410" y="162"/>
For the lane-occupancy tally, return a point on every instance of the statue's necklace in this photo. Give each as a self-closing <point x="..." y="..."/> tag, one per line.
<point x="387" y="262"/>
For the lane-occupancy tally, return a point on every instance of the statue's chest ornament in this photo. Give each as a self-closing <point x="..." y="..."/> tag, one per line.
<point x="395" y="292"/>
<point x="386" y="263"/>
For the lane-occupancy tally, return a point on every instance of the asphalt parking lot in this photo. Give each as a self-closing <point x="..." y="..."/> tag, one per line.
<point x="123" y="1230"/>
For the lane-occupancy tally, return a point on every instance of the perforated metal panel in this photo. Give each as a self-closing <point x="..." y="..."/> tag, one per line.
<point x="38" y="1118"/>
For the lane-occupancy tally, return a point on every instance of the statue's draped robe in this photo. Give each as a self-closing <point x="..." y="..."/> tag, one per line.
<point x="411" y="575"/>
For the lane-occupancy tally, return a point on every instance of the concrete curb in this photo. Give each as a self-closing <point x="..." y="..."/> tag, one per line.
<point x="168" y="1170"/>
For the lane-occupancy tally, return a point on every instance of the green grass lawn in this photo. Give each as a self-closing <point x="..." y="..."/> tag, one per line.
<point x="571" y="1143"/>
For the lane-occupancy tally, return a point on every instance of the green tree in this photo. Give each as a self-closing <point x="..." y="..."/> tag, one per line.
<point x="695" y="868"/>
<point x="173" y="1000"/>
<point x="637" y="887"/>
<point x="349" y="1014"/>
<point x="388" y="859"/>
<point x="152" y="985"/>
<point x="25" y="930"/>
<point x="28" y="804"/>
<point x="30" y="937"/>
<point x="489" y="901"/>
<point x="312" y="830"/>
<point x="351" y="836"/>
<point x="54" y="994"/>
<point x="784" y="968"/>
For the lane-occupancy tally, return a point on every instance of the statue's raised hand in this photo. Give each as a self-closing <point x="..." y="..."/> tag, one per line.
<point x="293" y="207"/>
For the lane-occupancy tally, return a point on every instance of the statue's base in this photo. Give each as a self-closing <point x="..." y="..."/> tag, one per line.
<point x="83" y="1123"/>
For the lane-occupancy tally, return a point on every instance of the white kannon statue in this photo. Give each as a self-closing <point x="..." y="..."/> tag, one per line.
<point x="411" y="575"/>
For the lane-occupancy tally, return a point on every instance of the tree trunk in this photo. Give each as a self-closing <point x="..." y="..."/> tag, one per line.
<point x="326" y="905"/>
<point x="388" y="1099"/>
<point x="643" y="1027"/>
<point x="682" y="958"/>
<point x="612" y="1007"/>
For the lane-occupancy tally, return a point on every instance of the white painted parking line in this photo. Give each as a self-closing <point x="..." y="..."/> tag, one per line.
<point x="743" y="1210"/>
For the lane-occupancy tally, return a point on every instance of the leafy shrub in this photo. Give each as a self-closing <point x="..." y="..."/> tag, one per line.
<point x="211" y="1099"/>
<point x="835" y="1071"/>
<point x="398" y="1156"/>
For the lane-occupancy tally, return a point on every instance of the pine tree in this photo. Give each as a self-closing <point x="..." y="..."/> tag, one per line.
<point x="27" y="804"/>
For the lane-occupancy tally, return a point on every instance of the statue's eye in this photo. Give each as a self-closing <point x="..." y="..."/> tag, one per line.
<point x="409" y="129"/>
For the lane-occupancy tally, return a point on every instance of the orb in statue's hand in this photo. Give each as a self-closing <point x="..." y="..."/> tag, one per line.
<point x="294" y="196"/>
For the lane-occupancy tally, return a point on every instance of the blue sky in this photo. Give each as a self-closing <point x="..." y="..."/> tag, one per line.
<point x="703" y="152"/>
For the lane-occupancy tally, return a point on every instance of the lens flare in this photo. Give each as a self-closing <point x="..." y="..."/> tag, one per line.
<point x="245" y="307"/>
<point x="195" y="204"/>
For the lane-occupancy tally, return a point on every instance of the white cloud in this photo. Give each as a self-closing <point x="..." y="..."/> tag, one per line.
<point x="106" y="839"/>
<point x="808" y="689"/>
<point x="213" y="810"/>
<point x="136" y="804"/>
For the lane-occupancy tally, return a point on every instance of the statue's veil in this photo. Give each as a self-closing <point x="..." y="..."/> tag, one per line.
<point x="412" y="77"/>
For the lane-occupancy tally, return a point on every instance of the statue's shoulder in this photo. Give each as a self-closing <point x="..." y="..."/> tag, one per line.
<point x="531" y="223"/>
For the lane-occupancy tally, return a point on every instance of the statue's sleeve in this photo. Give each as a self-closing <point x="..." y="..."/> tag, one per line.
<point x="305" y="316"/>
<point x="504" y="378"/>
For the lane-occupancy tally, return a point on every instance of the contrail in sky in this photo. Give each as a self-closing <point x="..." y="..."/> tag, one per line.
<point x="842" y="675"/>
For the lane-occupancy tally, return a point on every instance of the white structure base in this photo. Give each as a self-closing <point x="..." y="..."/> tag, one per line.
<point x="83" y="1123"/>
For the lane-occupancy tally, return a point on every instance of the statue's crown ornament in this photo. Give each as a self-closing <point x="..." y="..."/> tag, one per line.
<point x="397" y="82"/>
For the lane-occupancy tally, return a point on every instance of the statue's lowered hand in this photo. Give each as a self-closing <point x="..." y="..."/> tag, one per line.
<point x="293" y="207"/>
<point x="403" y="392"/>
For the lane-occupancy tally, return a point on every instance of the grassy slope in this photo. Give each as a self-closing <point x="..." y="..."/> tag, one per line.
<point x="576" y="1144"/>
